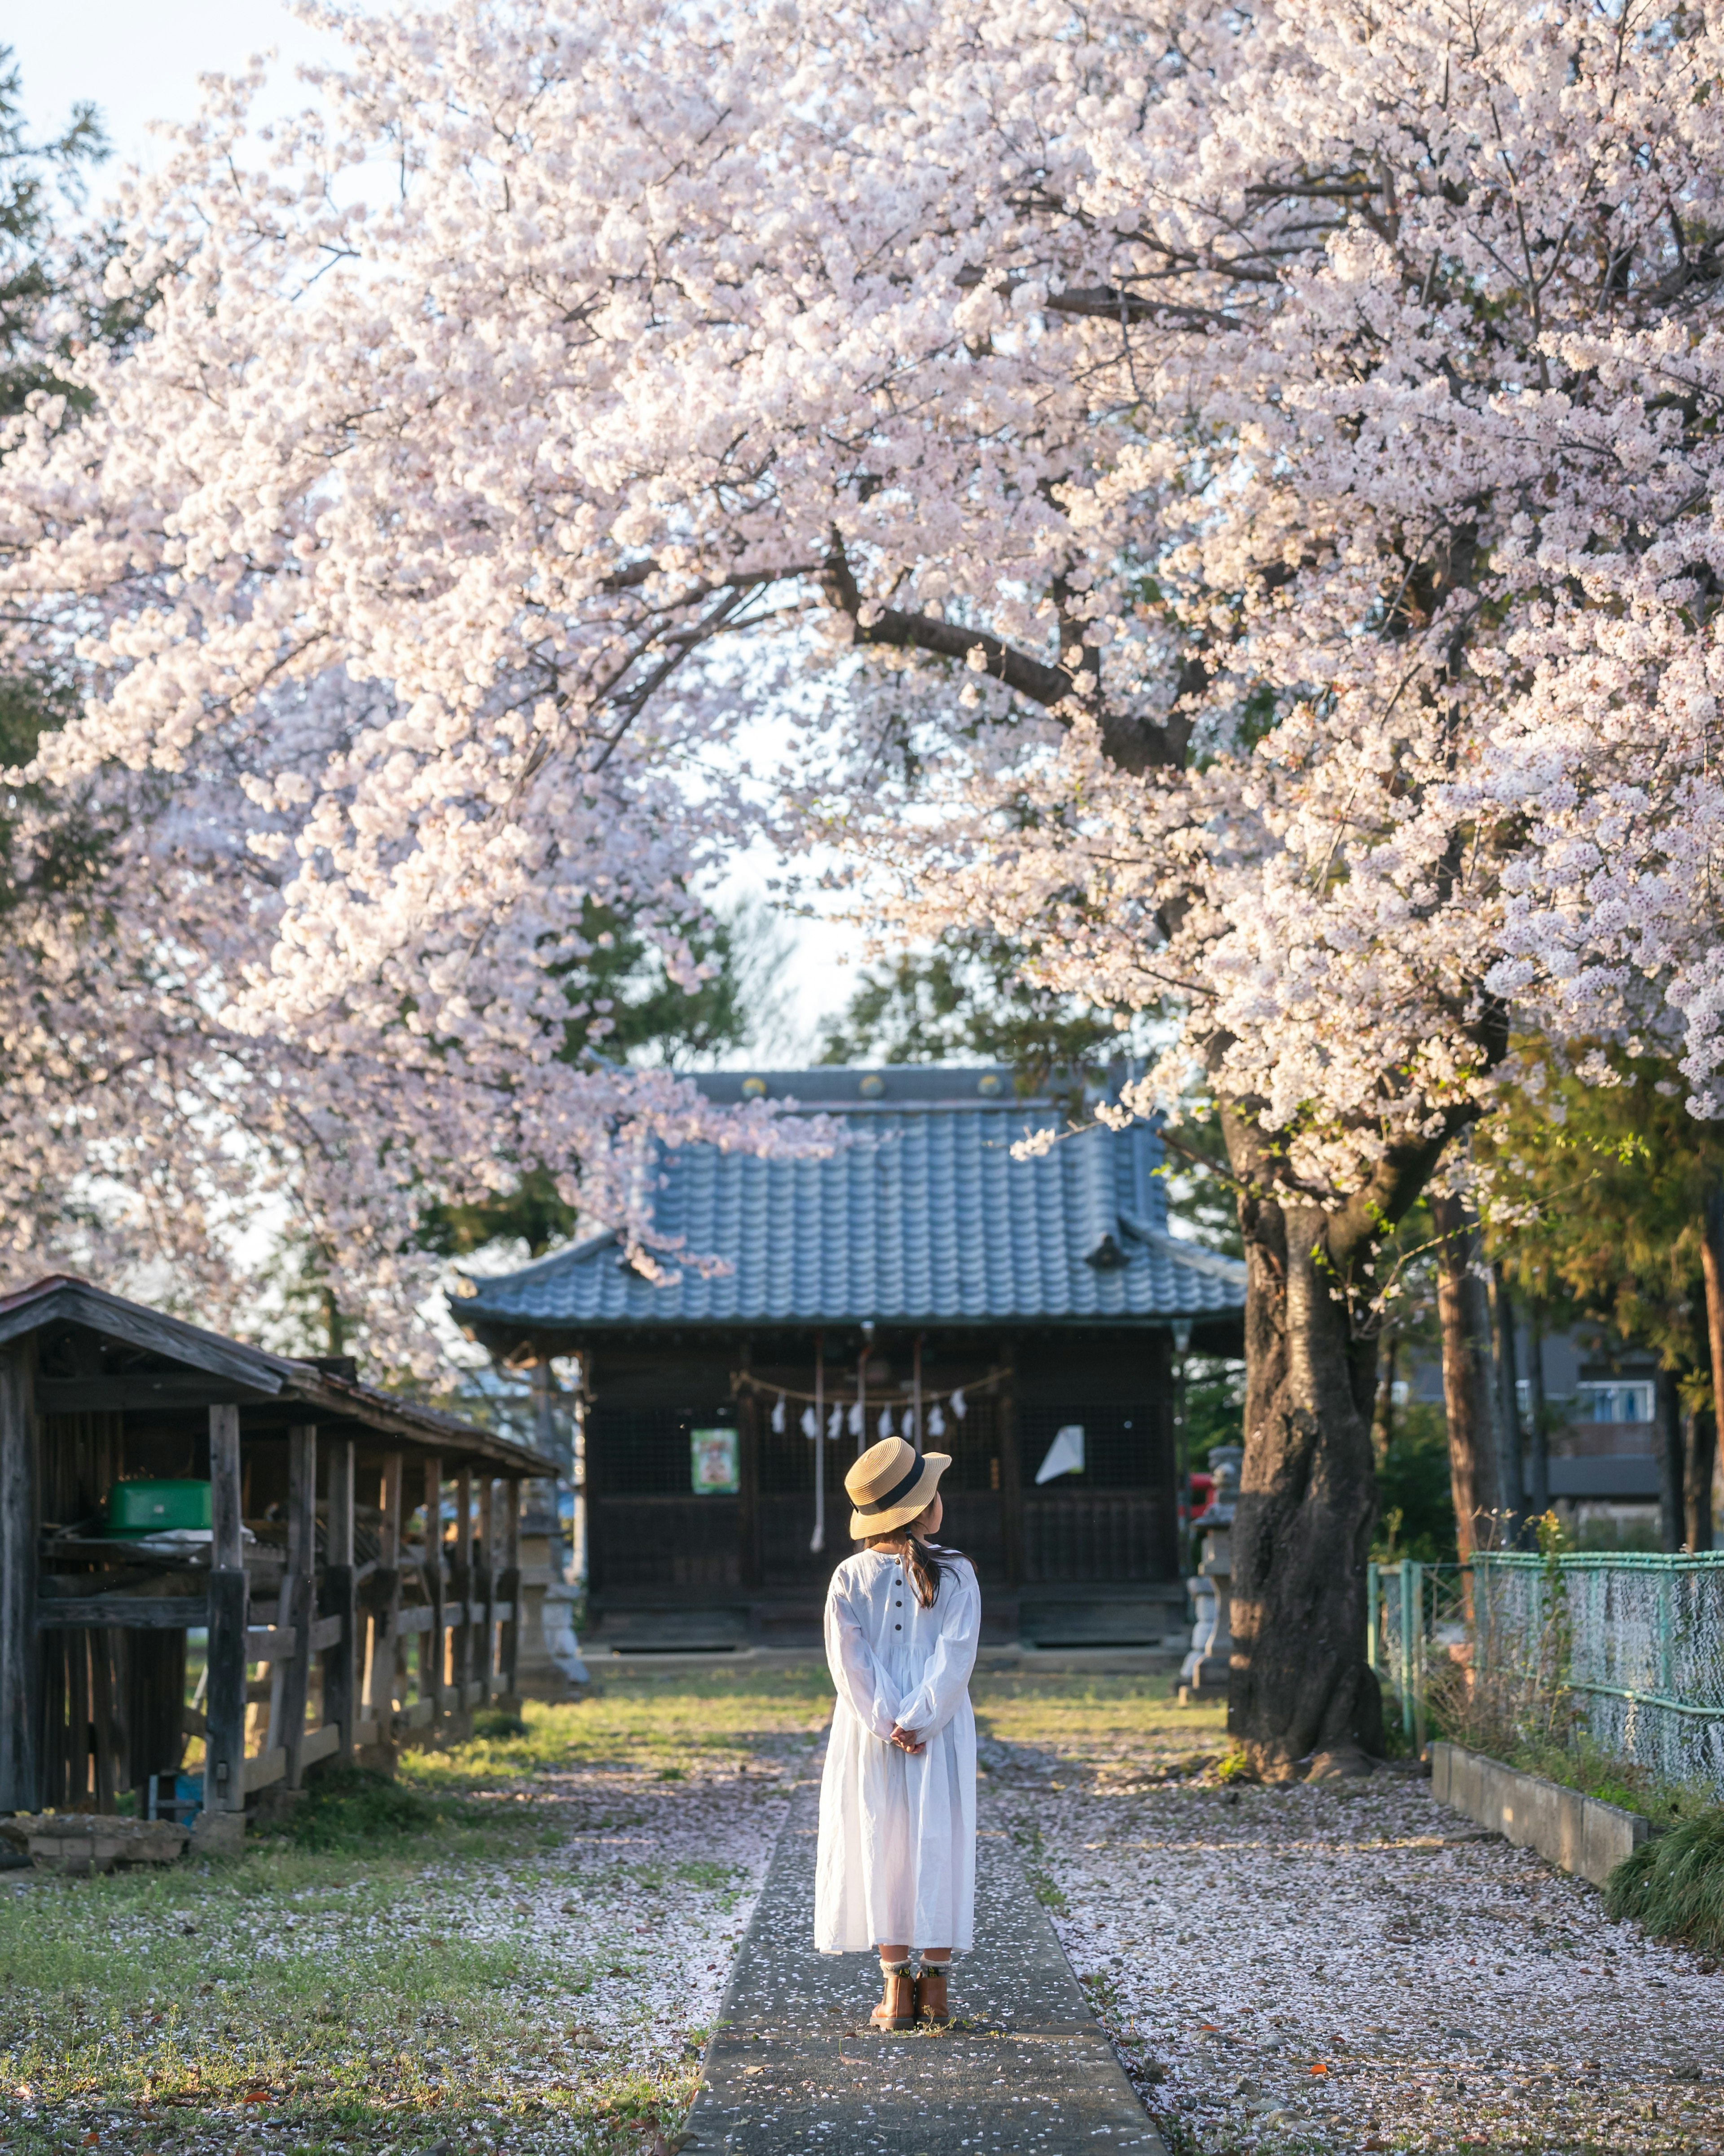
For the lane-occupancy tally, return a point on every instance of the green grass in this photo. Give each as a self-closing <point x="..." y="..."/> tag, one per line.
<point x="1096" y="1718"/>
<point x="377" y="1972"/>
<point x="681" y="1723"/>
<point x="1673" y="1886"/>
<point x="360" y="1979"/>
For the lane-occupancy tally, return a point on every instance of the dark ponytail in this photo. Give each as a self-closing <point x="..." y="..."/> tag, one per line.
<point x="926" y="1565"/>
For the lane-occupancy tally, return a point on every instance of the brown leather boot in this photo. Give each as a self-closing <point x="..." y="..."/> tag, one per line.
<point x="897" y="2006"/>
<point x="931" y="2004"/>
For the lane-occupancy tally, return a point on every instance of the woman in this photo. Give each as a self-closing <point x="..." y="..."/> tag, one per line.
<point x="897" y="1856"/>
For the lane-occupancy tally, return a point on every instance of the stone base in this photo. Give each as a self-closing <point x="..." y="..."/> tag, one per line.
<point x="1203" y="1683"/>
<point x="218" y="1834"/>
<point x="83" y="1842"/>
<point x="1579" y="1834"/>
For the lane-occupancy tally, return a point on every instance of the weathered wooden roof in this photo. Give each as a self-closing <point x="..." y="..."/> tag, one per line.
<point x="924" y="1217"/>
<point x="155" y="1364"/>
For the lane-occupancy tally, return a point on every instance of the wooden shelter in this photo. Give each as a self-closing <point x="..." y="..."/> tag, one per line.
<point x="1026" y="1309"/>
<point x="329" y="1632"/>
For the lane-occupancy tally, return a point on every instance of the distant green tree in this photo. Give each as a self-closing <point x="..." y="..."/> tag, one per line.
<point x="52" y="300"/>
<point x="654" y="1022"/>
<point x="968" y="997"/>
<point x="1597" y="1203"/>
<point x="1415" y="1502"/>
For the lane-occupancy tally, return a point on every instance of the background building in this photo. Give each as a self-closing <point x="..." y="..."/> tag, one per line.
<point x="1027" y="1315"/>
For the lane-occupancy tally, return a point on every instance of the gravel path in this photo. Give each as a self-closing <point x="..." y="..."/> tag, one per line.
<point x="1353" y="1966"/>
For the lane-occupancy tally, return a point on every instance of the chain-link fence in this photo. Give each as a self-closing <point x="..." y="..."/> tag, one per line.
<point x="1417" y="1615"/>
<point x="1636" y="1643"/>
<point x="1629" y="1649"/>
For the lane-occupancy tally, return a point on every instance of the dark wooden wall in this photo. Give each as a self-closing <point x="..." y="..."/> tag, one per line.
<point x="649" y="1536"/>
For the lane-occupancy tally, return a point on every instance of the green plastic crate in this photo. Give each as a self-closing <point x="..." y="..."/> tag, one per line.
<point x="151" y="1508"/>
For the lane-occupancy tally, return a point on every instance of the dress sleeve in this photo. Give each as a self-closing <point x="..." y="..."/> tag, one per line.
<point x="928" y="1709"/>
<point x="862" y="1684"/>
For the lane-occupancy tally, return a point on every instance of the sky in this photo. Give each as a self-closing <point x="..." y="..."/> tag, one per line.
<point x="139" y="63"/>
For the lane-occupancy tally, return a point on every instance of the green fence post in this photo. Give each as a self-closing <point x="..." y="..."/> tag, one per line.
<point x="1419" y="1661"/>
<point x="1407" y="1646"/>
<point x="1666" y="1637"/>
<point x="1373" y="1590"/>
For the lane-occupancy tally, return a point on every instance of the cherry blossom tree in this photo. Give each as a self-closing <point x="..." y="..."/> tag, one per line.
<point x="1227" y="497"/>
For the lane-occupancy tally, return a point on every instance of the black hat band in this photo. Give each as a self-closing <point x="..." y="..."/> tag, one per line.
<point x="895" y="1495"/>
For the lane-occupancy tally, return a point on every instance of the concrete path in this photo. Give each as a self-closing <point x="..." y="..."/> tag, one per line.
<point x="794" y="2066"/>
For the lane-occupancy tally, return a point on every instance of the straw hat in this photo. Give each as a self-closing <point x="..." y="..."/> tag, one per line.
<point x="890" y="1484"/>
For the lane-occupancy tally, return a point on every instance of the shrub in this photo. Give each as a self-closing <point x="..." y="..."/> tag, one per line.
<point x="343" y="1808"/>
<point x="1674" y="1885"/>
<point x="497" y="1724"/>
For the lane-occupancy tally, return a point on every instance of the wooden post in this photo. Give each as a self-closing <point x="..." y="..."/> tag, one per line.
<point x="340" y="1662"/>
<point x="78" y="1723"/>
<point x="299" y="1593"/>
<point x="509" y="1588"/>
<point x="20" y="1643"/>
<point x="1011" y="1474"/>
<point x="432" y="1644"/>
<point x="225" y="1701"/>
<point x="461" y="1582"/>
<point x="386" y="1611"/>
<point x="748" y="1480"/>
<point x="107" y="1648"/>
<point x="486" y="1584"/>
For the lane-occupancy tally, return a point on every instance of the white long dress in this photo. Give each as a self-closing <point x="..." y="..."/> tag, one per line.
<point x="897" y="1855"/>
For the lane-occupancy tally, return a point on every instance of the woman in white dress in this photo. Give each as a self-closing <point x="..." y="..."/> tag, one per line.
<point x="896" y="1867"/>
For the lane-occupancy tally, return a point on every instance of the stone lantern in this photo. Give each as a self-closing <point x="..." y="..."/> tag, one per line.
<point x="1204" y="1672"/>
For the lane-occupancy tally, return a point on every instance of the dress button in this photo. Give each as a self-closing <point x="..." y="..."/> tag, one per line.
<point x="897" y="1628"/>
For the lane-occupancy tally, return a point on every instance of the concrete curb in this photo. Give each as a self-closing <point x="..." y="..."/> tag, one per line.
<point x="1578" y="1833"/>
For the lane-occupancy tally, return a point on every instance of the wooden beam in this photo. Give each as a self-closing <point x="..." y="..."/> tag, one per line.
<point x="224" y="1740"/>
<point x="20" y="1651"/>
<point x="140" y="1392"/>
<point x="339" y="1600"/>
<point x="508" y="1586"/>
<point x="432" y="1645"/>
<point x="268" y="1767"/>
<point x="299" y="1587"/>
<point x="152" y="1612"/>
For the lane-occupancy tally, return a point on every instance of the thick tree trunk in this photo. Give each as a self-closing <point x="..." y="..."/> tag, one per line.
<point x="1301" y="1688"/>
<point x="1464" y="1312"/>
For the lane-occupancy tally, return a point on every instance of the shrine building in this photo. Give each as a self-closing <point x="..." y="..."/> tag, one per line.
<point x="1028" y="1315"/>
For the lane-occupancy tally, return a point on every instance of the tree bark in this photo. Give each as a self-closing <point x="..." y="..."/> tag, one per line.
<point x="1703" y="1455"/>
<point x="1511" y="1474"/>
<point x="1671" y="1463"/>
<point x="1301" y="1688"/>
<point x="1539" y="1433"/>
<point x="1464" y="1312"/>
